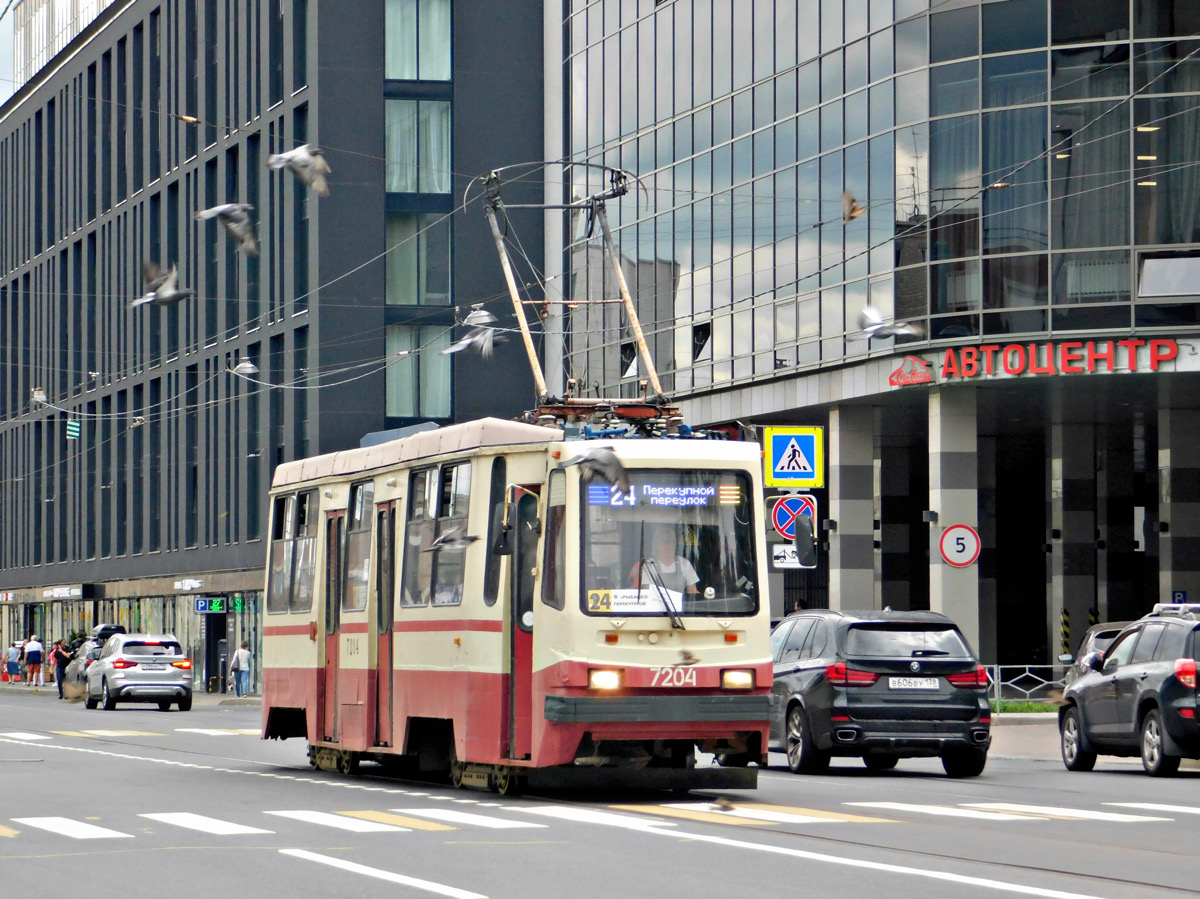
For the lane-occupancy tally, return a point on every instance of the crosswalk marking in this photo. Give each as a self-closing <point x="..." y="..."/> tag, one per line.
<point x="592" y="816"/>
<point x="207" y="731"/>
<point x="8" y="831"/>
<point x="122" y="733"/>
<point x="203" y="823"/>
<point x="342" y="822"/>
<point x="690" y="815"/>
<point x="77" y="830"/>
<point x="1158" y="807"/>
<point x="753" y="814"/>
<point x="21" y="735"/>
<point x="355" y="868"/>
<point x="399" y="820"/>
<point x="1069" y="814"/>
<point x="453" y="816"/>
<point x="818" y="814"/>
<point x="945" y="811"/>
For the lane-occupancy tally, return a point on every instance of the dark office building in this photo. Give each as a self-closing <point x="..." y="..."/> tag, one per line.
<point x="1016" y="181"/>
<point x="137" y="445"/>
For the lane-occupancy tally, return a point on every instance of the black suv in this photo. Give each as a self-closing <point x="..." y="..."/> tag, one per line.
<point x="1138" y="696"/>
<point x="880" y="686"/>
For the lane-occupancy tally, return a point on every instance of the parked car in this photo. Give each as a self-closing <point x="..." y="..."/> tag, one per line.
<point x="140" y="668"/>
<point x="1097" y="639"/>
<point x="880" y="686"/>
<point x="1138" y="696"/>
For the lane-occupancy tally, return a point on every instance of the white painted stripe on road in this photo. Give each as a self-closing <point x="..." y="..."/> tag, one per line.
<point x="20" y="735"/>
<point x="453" y="816"/>
<point x="1158" y="807"/>
<point x="592" y="816"/>
<point x="326" y="819"/>
<point x="76" y="830"/>
<point x="945" y="810"/>
<point x="207" y="731"/>
<point x="440" y="888"/>
<point x="1049" y="811"/>
<point x="203" y="823"/>
<point x="754" y="814"/>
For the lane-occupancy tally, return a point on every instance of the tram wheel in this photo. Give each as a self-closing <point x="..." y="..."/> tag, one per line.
<point x="347" y="762"/>
<point x="506" y="781"/>
<point x="312" y="756"/>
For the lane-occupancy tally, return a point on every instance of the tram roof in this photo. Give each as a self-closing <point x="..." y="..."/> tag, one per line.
<point x="486" y="432"/>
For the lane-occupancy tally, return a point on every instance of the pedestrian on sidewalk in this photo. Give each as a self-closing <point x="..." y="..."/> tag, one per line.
<point x="33" y="661"/>
<point x="240" y="669"/>
<point x="60" y="656"/>
<point x="12" y="662"/>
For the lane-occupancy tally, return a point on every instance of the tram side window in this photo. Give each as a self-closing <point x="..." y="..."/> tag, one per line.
<point x="279" y="577"/>
<point x="385" y="585"/>
<point x="455" y="501"/>
<point x="418" y="536"/>
<point x="491" y="573"/>
<point x="554" y="579"/>
<point x="358" y="547"/>
<point x="305" y="553"/>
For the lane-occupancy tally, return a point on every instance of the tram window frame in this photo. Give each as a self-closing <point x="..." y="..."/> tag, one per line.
<point x="356" y="568"/>
<point x="554" y="578"/>
<point x="496" y="504"/>
<point x="454" y="512"/>
<point x="385" y="571"/>
<point x="280" y="571"/>
<point x="419" y="530"/>
<point x="304" y="555"/>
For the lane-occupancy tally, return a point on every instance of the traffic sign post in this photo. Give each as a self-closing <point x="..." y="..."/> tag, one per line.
<point x="960" y="545"/>
<point x="794" y="457"/>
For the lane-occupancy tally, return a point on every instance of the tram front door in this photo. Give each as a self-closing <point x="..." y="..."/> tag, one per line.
<point x="385" y="613"/>
<point x="524" y="564"/>
<point x="335" y="527"/>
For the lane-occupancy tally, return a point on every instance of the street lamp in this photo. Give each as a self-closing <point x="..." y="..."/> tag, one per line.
<point x="245" y="367"/>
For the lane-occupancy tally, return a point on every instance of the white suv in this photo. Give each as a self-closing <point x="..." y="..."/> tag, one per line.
<point x="140" y="668"/>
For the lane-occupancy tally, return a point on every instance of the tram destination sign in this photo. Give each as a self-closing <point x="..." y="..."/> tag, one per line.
<point x="677" y="495"/>
<point x="1067" y="357"/>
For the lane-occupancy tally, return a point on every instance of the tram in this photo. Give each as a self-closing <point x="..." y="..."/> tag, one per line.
<point x="574" y="599"/>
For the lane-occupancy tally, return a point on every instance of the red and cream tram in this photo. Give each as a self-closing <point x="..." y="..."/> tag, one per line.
<point x="480" y="600"/>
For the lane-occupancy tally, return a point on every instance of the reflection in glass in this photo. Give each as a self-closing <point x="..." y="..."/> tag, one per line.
<point x="831" y="125"/>
<point x="856" y="116"/>
<point x="954" y="187"/>
<point x="1077" y="21"/>
<point x="1167" y="68"/>
<point x="1014" y="80"/>
<point x="1089" y="174"/>
<point x="808" y="85"/>
<point x="418" y="259"/>
<point x="912" y="97"/>
<point x="831" y="75"/>
<point x="1093" y="318"/>
<point x="1081" y="73"/>
<point x="1029" y="322"/>
<point x="912" y="293"/>
<point x="856" y="66"/>
<point x="955" y="287"/>
<point x="954" y="88"/>
<point x="1091" y="277"/>
<point x="954" y="34"/>
<point x="953" y="327"/>
<point x="912" y="44"/>
<point x="882" y="109"/>
<point x="1014" y="210"/>
<point x="1165" y="18"/>
<point x="1166" y="177"/>
<point x="1014" y="281"/>
<point x="1014" y="25"/>
<point x="881" y="55"/>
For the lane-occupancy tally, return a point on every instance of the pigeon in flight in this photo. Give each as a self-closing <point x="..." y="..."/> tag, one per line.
<point x="161" y="287"/>
<point x="872" y="325"/>
<point x="850" y="208"/>
<point x="307" y="163"/>
<point x="451" y="539"/>
<point x="235" y="218"/>
<point x="600" y="463"/>
<point x="482" y="336"/>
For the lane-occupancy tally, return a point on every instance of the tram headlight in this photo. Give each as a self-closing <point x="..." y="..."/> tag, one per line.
<point x="737" y="679"/>
<point x="604" y="679"/>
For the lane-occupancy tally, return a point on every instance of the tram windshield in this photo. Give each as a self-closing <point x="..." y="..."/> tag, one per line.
<point x="678" y="543"/>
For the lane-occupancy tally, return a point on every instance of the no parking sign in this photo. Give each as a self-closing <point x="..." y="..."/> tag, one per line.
<point x="788" y="508"/>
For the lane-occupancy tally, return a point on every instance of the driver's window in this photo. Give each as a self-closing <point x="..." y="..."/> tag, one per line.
<point x="795" y="640"/>
<point x="777" y="637"/>
<point x="1120" y="651"/>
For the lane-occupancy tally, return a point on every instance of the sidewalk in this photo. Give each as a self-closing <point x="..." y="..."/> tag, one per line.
<point x="1025" y="735"/>
<point x="50" y="692"/>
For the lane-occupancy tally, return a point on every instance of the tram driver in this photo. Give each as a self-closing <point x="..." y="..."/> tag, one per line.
<point x="664" y="565"/>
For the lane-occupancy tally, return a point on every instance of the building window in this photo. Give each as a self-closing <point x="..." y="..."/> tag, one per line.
<point x="418" y="259"/>
<point x="417" y="40"/>
<point x="417" y="133"/>
<point x="418" y="383"/>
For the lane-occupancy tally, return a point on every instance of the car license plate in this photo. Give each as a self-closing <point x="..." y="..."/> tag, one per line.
<point x="912" y="683"/>
<point x="154" y="667"/>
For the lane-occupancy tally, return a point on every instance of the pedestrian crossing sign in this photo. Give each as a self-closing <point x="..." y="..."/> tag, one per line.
<point x="794" y="457"/>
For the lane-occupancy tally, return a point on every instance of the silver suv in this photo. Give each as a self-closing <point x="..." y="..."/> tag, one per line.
<point x="140" y="668"/>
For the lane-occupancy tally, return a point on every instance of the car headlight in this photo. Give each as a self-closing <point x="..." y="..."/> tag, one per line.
<point x="737" y="679"/>
<point x="604" y="679"/>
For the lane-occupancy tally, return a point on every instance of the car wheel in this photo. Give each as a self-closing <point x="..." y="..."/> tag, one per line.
<point x="89" y="700"/>
<point x="1071" y="742"/>
<point x="880" y="762"/>
<point x="964" y="762"/>
<point x="164" y="706"/>
<point x="803" y="757"/>
<point x="185" y="704"/>
<point x="734" y="759"/>
<point x="1154" y="759"/>
<point x="110" y="701"/>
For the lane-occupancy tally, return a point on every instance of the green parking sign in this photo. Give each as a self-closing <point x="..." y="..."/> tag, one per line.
<point x="216" y="604"/>
<point x="238" y="603"/>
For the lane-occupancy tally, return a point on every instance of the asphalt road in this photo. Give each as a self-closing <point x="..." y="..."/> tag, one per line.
<point x="149" y="803"/>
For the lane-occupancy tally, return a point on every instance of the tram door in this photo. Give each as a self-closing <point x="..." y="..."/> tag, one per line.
<point x="524" y="564"/>
<point x="335" y="532"/>
<point x="385" y="616"/>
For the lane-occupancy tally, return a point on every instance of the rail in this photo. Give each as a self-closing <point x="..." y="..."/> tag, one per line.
<point x="1026" y="683"/>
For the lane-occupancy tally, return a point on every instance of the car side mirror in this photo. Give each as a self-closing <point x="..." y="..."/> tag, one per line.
<point x="1093" y="661"/>
<point x="1066" y="658"/>
<point x="805" y="542"/>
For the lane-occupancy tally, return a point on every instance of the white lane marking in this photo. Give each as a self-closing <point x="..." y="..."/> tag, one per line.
<point x="203" y="823"/>
<point x="650" y="827"/>
<point x="754" y="814"/>
<point x="1054" y="812"/>
<point x="77" y="830"/>
<point x="358" y="825"/>
<point x="440" y="888"/>
<point x="20" y="735"/>
<point x="120" y="733"/>
<point x="207" y="731"/>
<point x="593" y="816"/>
<point x="1158" y="807"/>
<point x="946" y="811"/>
<point x="453" y="816"/>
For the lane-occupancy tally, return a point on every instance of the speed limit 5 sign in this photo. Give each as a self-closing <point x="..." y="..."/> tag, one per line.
<point x="960" y="545"/>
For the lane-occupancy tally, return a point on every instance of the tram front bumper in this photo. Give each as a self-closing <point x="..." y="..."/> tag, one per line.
<point x="641" y="709"/>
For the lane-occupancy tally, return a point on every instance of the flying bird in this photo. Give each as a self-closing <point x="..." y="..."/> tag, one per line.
<point x="161" y="287"/>
<point x="481" y="340"/>
<point x="600" y="463"/>
<point x="307" y="163"/>
<point x="451" y="539"/>
<point x="872" y="325"/>
<point x="850" y="208"/>
<point x="235" y="218"/>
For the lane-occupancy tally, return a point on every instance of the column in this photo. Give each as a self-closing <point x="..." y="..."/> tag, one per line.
<point x="896" y="514"/>
<point x="1072" y="523"/>
<point x="852" y="506"/>
<point x="1118" y="595"/>
<point x="988" y="608"/>
<point x="954" y="496"/>
<point x="1178" y="503"/>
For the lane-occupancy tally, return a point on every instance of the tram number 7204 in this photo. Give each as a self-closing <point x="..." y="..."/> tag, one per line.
<point x="673" y="677"/>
